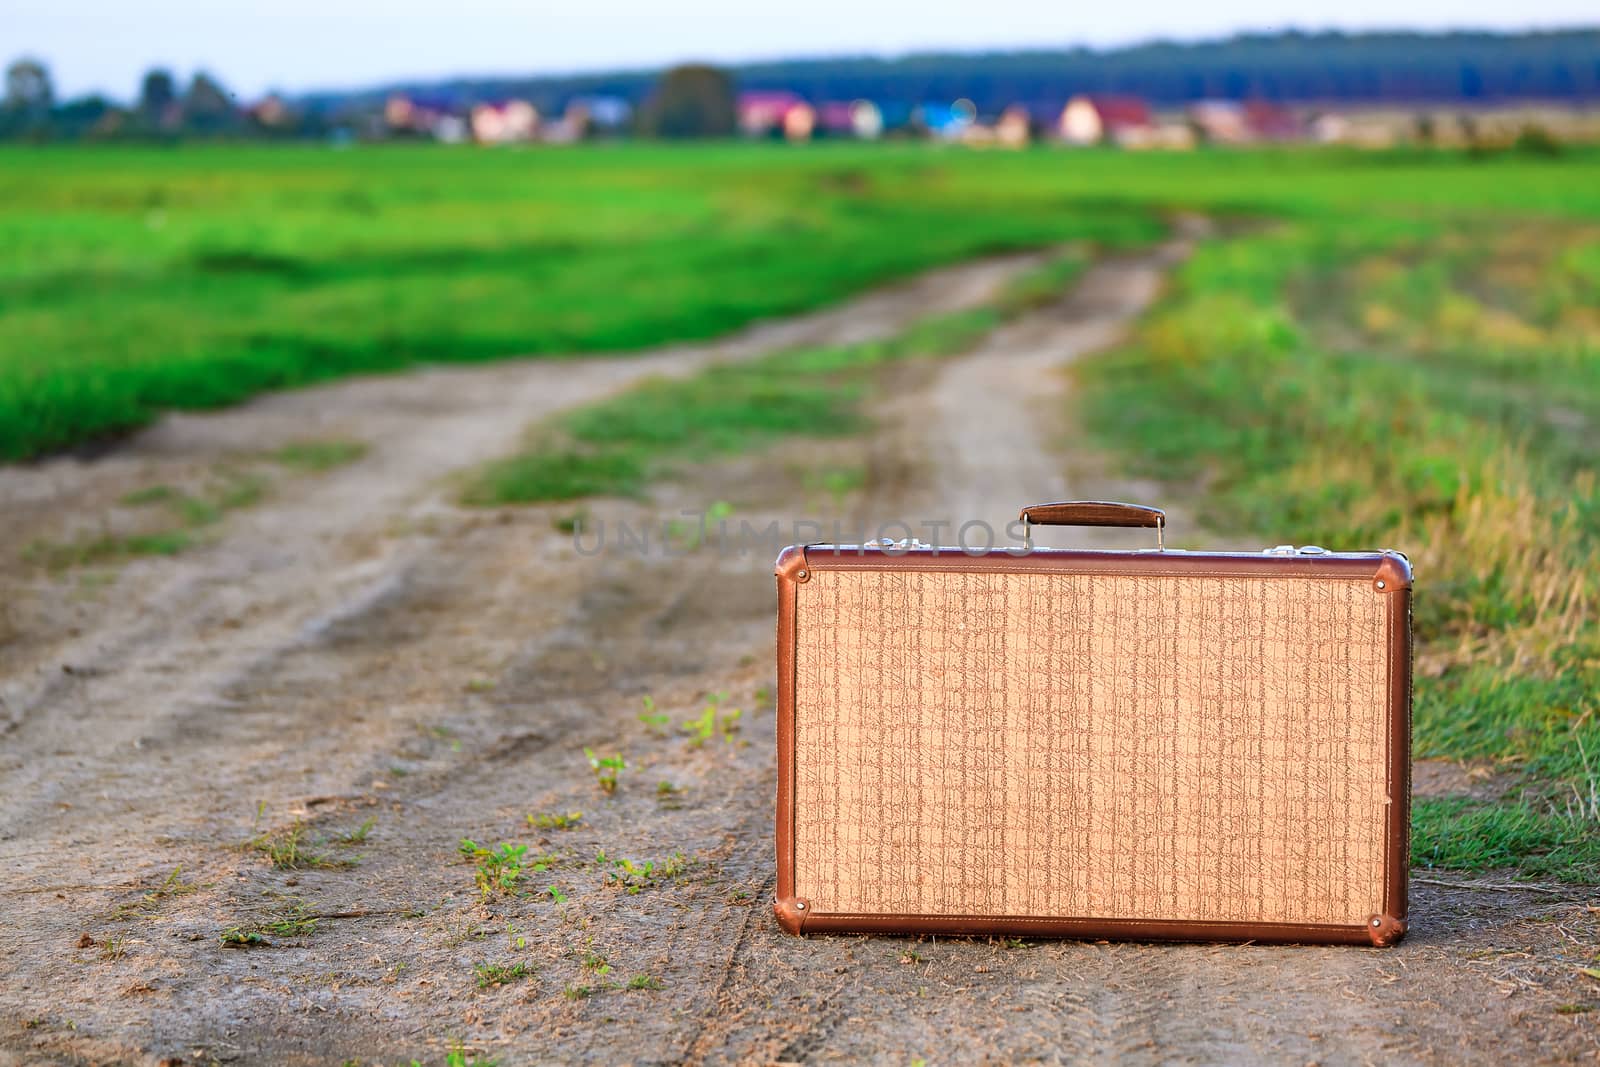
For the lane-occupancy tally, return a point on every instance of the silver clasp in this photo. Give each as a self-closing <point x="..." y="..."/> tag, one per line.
<point x="905" y="544"/>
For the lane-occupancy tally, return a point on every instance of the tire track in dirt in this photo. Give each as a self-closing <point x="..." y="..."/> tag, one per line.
<point x="187" y="629"/>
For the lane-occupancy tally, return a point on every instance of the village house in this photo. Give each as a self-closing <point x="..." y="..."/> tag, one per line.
<point x="1173" y="136"/>
<point x="1229" y="122"/>
<point x="1219" y="122"/>
<point x="866" y="119"/>
<point x="860" y="119"/>
<point x="600" y="113"/>
<point x="1094" y="118"/>
<point x="409" y="116"/>
<point x="1272" y="122"/>
<point x="507" y="122"/>
<point x="1014" y="128"/>
<point x="833" y="119"/>
<point x="402" y="114"/>
<point x="772" y="113"/>
<point x="585" y="117"/>
<point x="946" y="122"/>
<point x="270" y="112"/>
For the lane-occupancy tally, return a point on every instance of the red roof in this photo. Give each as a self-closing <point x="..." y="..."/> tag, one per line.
<point x="1120" y="111"/>
<point x="836" y="116"/>
<point x="1270" y="120"/>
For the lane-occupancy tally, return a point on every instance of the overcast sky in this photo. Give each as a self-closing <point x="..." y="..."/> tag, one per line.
<point x="308" y="44"/>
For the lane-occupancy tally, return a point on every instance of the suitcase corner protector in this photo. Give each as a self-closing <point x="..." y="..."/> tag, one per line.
<point x="792" y="913"/>
<point x="1394" y="574"/>
<point x="1385" y="930"/>
<point x="792" y="564"/>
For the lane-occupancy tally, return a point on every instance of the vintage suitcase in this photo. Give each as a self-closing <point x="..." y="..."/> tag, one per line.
<point x="1151" y="744"/>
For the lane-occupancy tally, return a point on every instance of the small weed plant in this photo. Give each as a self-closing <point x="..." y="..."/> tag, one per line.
<point x="174" y="886"/>
<point x="633" y="877"/>
<point x="499" y="870"/>
<point x="359" y="834"/>
<point x="606" y="769"/>
<point x="292" y="849"/>
<point x="654" y="719"/>
<point x="498" y="974"/>
<point x="713" y="722"/>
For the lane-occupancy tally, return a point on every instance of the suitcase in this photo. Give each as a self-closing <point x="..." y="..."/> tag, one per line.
<point x="1154" y="744"/>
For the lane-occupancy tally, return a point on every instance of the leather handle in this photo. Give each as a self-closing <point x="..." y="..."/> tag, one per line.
<point x="1093" y="513"/>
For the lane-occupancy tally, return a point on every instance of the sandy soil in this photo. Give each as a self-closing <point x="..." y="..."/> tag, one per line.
<point x="355" y="647"/>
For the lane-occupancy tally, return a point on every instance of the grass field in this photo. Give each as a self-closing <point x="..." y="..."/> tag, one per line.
<point x="138" y="281"/>
<point x="134" y="281"/>
<point x="620" y="446"/>
<point x="1376" y="350"/>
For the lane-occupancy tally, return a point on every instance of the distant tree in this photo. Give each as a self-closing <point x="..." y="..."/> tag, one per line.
<point x="157" y="93"/>
<point x="690" y="101"/>
<point x="25" y="111"/>
<point x="207" y="107"/>
<point x="28" y="88"/>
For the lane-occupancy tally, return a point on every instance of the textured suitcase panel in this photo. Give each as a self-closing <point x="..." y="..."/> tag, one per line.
<point x="1187" y="748"/>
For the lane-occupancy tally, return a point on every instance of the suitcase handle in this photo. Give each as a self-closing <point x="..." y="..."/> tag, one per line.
<point x="1091" y="513"/>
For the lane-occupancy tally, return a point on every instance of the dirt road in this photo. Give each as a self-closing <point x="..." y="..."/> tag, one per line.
<point x="355" y="648"/>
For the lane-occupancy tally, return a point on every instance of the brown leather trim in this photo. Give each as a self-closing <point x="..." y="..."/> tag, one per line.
<point x="1092" y="513"/>
<point x="1083" y="928"/>
<point x="792" y="914"/>
<point x="795" y="561"/>
<point x="1397" y="830"/>
<point x="787" y="587"/>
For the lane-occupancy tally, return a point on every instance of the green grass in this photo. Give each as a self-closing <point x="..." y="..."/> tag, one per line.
<point x="135" y="281"/>
<point x="620" y="446"/>
<point x="61" y="555"/>
<point x="319" y="455"/>
<point x="555" y="820"/>
<point x="498" y="974"/>
<point x="1539" y="840"/>
<point x="1428" y="381"/>
<point x="293" y="849"/>
<point x="180" y="517"/>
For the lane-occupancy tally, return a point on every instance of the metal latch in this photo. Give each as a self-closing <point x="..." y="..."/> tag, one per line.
<point x="905" y="544"/>
<point x="1290" y="550"/>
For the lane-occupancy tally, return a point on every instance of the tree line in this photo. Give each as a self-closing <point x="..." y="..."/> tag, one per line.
<point x="160" y="109"/>
<point x="1329" y="69"/>
<point x="1291" y="67"/>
